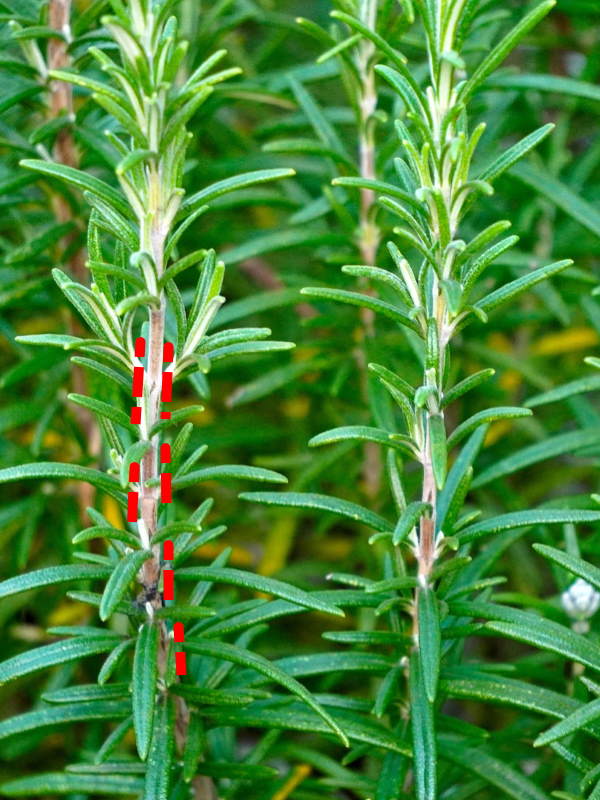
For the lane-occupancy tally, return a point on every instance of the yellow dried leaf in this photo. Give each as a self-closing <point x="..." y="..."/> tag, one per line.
<point x="567" y="341"/>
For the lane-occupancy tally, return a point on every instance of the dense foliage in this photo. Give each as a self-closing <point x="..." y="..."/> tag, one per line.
<point x="371" y="235"/>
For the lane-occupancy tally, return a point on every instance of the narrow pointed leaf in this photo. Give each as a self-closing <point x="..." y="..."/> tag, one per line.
<point x="145" y="672"/>
<point x="320" y="502"/>
<point x="229" y="652"/>
<point x="121" y="577"/>
<point x="258" y="583"/>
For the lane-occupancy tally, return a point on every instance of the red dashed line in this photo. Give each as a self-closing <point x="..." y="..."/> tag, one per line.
<point x="167" y="387"/>
<point x="166" y="493"/>
<point x="168" y="550"/>
<point x="132" y="506"/>
<point x="168" y="574"/>
<point x="178" y="632"/>
<point x="168" y="585"/>
<point x="138" y="382"/>
<point x="179" y="636"/>
<point x="180" y="665"/>
<point x="140" y="347"/>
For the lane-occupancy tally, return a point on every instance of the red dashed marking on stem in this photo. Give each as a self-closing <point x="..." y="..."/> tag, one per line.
<point x="167" y="387"/>
<point x="132" y="506"/>
<point x="179" y="636"/>
<point x="168" y="550"/>
<point x="140" y="347"/>
<point x="178" y="632"/>
<point x="166" y="495"/>
<point x="168" y="574"/>
<point x="138" y="382"/>
<point x="165" y="453"/>
<point x="180" y="665"/>
<point x="168" y="585"/>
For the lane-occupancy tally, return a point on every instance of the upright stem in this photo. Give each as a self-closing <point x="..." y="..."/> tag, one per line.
<point x="369" y="233"/>
<point x="65" y="152"/>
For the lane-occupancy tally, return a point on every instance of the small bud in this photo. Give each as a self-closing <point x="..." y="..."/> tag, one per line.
<point x="580" y="600"/>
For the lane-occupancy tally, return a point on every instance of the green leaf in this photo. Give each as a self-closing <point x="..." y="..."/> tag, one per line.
<point x="106" y="532"/>
<point x="408" y="519"/>
<point x="317" y="119"/>
<point x="439" y="449"/>
<point x="66" y="714"/>
<point x="382" y="188"/>
<point x="482" y="418"/>
<point x="498" y="53"/>
<point x="103" y="409"/>
<point x="236" y="655"/>
<point x="194" y="745"/>
<point x="81" y="180"/>
<point x="574" y="722"/>
<point x="217" y="697"/>
<point x="571" y="87"/>
<point x="523" y="626"/>
<point x="248" y="772"/>
<point x="320" y="502"/>
<point x="160" y="758"/>
<point x="560" y="194"/>
<point x="228" y="471"/>
<point x="591" y="383"/>
<point x="113" y="660"/>
<point x="364" y="301"/>
<point x="248" y="348"/>
<point x="121" y="577"/>
<point x="520" y="285"/>
<point x="133" y="454"/>
<point x="574" y="564"/>
<point x="494" y="771"/>
<point x="515" y="153"/>
<point x="295" y="717"/>
<point x="51" y="654"/>
<point x="471" y="382"/>
<point x="324" y="663"/>
<point x="430" y="640"/>
<point x="540" y="451"/>
<point x="86" y="693"/>
<point x="50" y="576"/>
<point x="245" y="179"/>
<point x="145" y="673"/>
<point x="54" y="470"/>
<point x="259" y="583"/>
<point x="59" y="783"/>
<point x="522" y="519"/>
<point x="423" y="734"/>
<point x="464" y="682"/>
<point x="361" y="433"/>
<point x="268" y="382"/>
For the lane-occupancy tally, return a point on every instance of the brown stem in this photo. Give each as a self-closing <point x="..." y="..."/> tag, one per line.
<point x="369" y="238"/>
<point x="427" y="523"/>
<point x="65" y="152"/>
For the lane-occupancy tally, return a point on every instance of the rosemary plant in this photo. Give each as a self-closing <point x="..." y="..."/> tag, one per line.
<point x="146" y="656"/>
<point x="133" y="256"/>
<point x="434" y="292"/>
